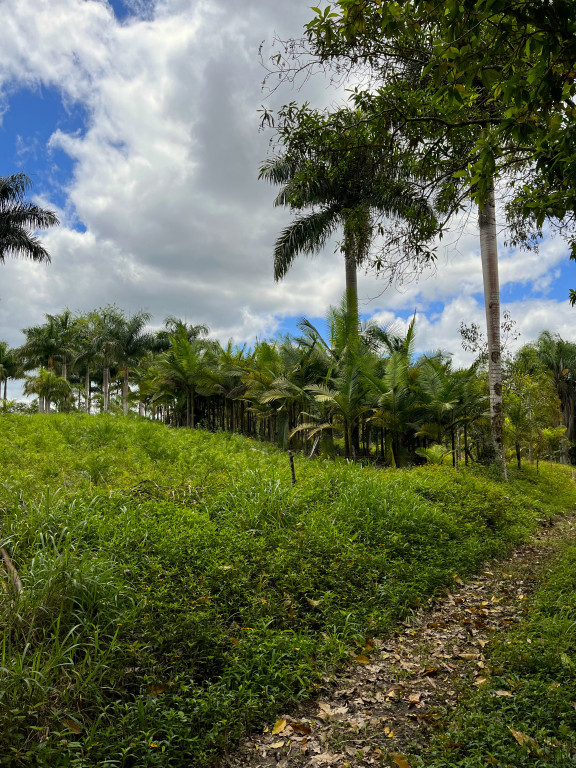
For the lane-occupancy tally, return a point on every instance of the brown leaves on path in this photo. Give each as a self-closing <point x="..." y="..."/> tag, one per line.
<point x="401" y="688"/>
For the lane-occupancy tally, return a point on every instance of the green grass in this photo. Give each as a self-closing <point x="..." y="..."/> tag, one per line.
<point x="178" y="589"/>
<point x="536" y="666"/>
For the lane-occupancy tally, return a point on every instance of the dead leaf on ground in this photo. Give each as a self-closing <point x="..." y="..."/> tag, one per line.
<point x="278" y="726"/>
<point x="361" y="659"/>
<point x="301" y="728"/>
<point x="277" y="744"/>
<point x="326" y="758"/>
<point x="72" y="725"/>
<point x="523" y="738"/>
<point x="400" y="761"/>
<point x="156" y="690"/>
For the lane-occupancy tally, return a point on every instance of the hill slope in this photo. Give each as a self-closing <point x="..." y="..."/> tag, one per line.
<point x="177" y="589"/>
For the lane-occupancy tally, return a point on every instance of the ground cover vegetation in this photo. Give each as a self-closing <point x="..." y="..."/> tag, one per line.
<point x="363" y="394"/>
<point x="168" y="589"/>
<point x="522" y="714"/>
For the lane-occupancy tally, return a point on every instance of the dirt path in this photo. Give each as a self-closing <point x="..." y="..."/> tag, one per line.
<point x="400" y="689"/>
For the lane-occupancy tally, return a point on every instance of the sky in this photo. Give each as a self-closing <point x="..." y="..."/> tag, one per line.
<point x="137" y="122"/>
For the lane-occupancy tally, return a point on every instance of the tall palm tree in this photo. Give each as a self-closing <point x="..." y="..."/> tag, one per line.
<point x="489" y="257"/>
<point x="345" y="186"/>
<point x="107" y="323"/>
<point x="559" y="358"/>
<point x="183" y="369"/>
<point x="131" y="344"/>
<point x="64" y="327"/>
<point x="49" y="387"/>
<point x="19" y="218"/>
<point x="42" y="345"/>
<point x="8" y="367"/>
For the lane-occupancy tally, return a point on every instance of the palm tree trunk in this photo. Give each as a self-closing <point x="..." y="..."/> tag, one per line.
<point x="5" y="391"/>
<point x="351" y="292"/>
<point x="125" y="392"/>
<point x="65" y="369"/>
<point x="489" y="255"/>
<point x="87" y="390"/>
<point x="106" y="388"/>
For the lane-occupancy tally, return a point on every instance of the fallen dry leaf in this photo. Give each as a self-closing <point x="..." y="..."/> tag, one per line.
<point x="301" y="728"/>
<point x="72" y="725"/>
<point x="361" y="659"/>
<point x="156" y="690"/>
<point x="326" y="758"/>
<point x="400" y="761"/>
<point x="278" y="726"/>
<point x="277" y="744"/>
<point x="503" y="693"/>
<point x="523" y="738"/>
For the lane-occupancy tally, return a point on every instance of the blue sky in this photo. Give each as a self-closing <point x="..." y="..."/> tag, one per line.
<point x="137" y="121"/>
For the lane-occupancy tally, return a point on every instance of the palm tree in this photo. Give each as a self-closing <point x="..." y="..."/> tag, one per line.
<point x="19" y="218"/>
<point x="42" y="345"/>
<point x="65" y="330"/>
<point x="346" y="186"/>
<point x="489" y="257"/>
<point x="183" y="369"/>
<point x="49" y="387"/>
<point x="131" y="344"/>
<point x="8" y="366"/>
<point x="107" y="323"/>
<point x="559" y="358"/>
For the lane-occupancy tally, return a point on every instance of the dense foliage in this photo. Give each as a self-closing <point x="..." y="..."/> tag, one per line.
<point x="178" y="589"/>
<point x="361" y="394"/>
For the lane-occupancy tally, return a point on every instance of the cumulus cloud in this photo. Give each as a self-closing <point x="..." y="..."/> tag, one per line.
<point x="164" y="183"/>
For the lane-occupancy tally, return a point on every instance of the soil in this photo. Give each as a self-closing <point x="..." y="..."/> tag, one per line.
<point x="399" y="689"/>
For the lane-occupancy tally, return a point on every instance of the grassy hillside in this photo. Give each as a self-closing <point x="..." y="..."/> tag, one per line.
<point x="178" y="589"/>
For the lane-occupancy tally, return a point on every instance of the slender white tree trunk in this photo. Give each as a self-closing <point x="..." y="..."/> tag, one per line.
<point x="106" y="388"/>
<point x="489" y="255"/>
<point x="87" y="390"/>
<point x="141" y="409"/>
<point x="125" y="391"/>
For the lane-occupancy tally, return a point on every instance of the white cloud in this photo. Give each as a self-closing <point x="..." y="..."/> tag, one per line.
<point x="165" y="178"/>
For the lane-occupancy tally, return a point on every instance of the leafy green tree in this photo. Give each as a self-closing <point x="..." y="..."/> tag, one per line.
<point x="512" y="59"/>
<point x="19" y="218"/>
<point x="466" y="112"/>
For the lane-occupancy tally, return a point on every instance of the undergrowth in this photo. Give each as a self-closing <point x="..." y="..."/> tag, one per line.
<point x="178" y="590"/>
<point x="525" y="714"/>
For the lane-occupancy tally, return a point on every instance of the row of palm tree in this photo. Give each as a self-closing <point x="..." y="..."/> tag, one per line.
<point x="362" y="394"/>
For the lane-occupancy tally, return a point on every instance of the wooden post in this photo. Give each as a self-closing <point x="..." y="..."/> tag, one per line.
<point x="293" y="473"/>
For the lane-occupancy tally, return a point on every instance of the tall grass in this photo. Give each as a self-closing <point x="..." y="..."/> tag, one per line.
<point x="179" y="590"/>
